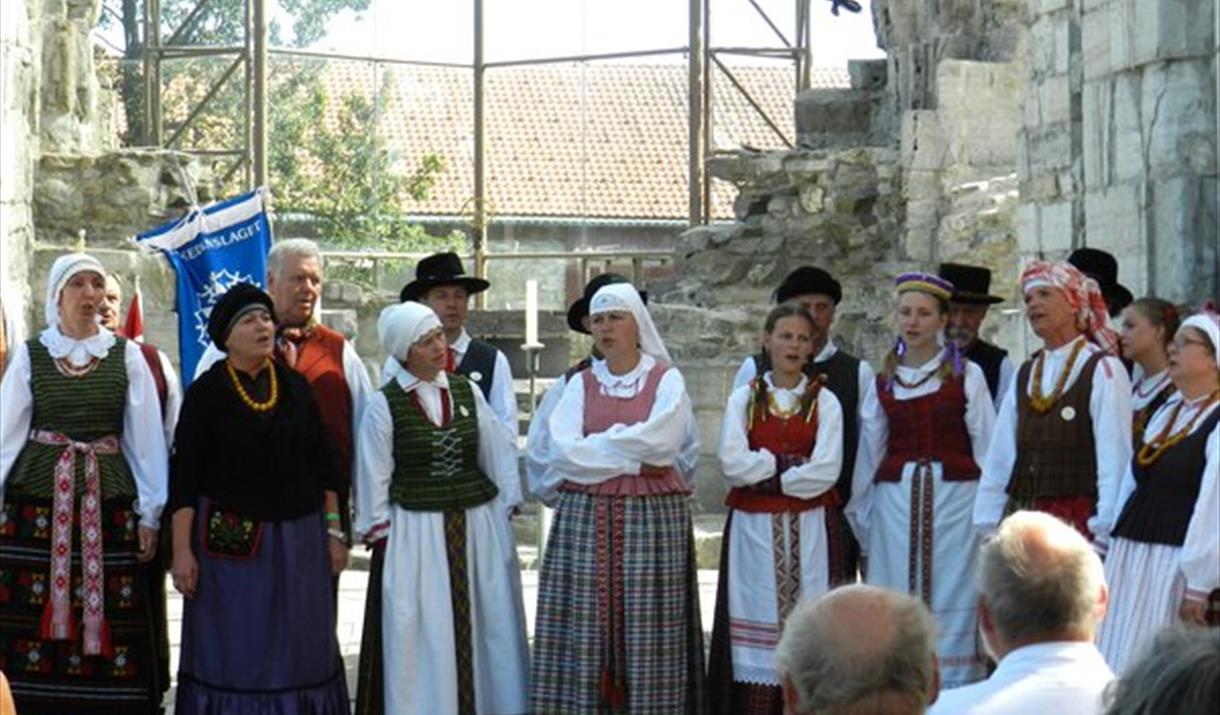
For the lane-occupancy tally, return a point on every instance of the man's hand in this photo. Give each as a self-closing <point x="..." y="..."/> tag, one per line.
<point x="1193" y="612"/>
<point x="148" y="543"/>
<point x="338" y="556"/>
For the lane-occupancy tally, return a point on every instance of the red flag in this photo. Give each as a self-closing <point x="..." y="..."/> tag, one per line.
<point x="133" y="327"/>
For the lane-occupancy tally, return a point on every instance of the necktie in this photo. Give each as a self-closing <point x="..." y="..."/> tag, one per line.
<point x="450" y="361"/>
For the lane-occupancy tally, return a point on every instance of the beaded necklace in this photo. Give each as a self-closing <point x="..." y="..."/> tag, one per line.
<point x="245" y="396"/>
<point x="1156" y="385"/>
<point x="1152" y="450"/>
<point x="1043" y="403"/>
<point x="67" y="369"/>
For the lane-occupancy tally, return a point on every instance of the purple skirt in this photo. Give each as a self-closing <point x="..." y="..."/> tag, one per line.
<point x="259" y="635"/>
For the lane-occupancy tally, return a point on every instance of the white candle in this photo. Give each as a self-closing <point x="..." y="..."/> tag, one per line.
<point x="531" y="312"/>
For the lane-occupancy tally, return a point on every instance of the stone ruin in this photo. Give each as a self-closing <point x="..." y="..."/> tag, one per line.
<point x="993" y="131"/>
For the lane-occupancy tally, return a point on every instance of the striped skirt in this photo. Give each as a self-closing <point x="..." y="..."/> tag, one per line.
<point x="618" y="627"/>
<point x="1146" y="588"/>
<point x="53" y="676"/>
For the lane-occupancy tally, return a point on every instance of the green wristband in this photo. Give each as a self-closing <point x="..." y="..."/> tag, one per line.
<point x="332" y="516"/>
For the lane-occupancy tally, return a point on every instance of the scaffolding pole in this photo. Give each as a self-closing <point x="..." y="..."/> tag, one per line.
<point x="697" y="78"/>
<point x="480" y="179"/>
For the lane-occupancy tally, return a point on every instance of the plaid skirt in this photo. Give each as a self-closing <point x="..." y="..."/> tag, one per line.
<point x="54" y="676"/>
<point x="618" y="627"/>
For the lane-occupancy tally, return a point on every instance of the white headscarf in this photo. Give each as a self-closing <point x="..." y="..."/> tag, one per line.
<point x="623" y="297"/>
<point x="401" y="326"/>
<point x="1208" y="324"/>
<point x="62" y="271"/>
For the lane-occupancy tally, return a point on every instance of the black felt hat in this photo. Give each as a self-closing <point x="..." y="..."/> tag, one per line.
<point x="1103" y="268"/>
<point x="236" y="301"/>
<point x="579" y="309"/>
<point x="809" y="279"/>
<point x="972" y="284"/>
<point x="440" y="269"/>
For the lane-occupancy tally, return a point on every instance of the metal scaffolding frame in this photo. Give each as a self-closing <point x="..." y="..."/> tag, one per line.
<point x="703" y="61"/>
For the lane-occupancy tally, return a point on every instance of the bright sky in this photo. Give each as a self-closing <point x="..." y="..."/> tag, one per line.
<point x="441" y="30"/>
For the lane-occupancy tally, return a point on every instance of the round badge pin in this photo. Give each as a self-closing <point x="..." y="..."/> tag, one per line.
<point x="1068" y="413"/>
<point x="476" y="376"/>
<point x="462" y="409"/>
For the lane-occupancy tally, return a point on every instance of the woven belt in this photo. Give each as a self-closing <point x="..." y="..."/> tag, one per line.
<point x="57" y="616"/>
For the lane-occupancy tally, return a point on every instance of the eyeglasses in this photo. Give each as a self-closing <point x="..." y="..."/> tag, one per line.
<point x="1181" y="342"/>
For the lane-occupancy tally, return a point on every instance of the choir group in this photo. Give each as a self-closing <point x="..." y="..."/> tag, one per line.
<point x="253" y="485"/>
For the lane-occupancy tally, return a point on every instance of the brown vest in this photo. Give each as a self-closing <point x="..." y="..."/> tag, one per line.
<point x="320" y="360"/>
<point x="1056" y="456"/>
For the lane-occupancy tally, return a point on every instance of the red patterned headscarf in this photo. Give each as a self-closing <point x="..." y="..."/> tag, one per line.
<point x="1082" y="293"/>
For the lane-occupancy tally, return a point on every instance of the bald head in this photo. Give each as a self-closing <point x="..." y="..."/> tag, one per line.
<point x="858" y="646"/>
<point x="1039" y="579"/>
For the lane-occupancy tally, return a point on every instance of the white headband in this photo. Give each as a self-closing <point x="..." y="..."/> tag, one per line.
<point x="623" y="297"/>
<point x="62" y="271"/>
<point x="1210" y="327"/>
<point x="401" y="326"/>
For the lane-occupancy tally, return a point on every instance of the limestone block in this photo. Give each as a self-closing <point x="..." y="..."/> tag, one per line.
<point x="922" y="141"/>
<point x="1183" y="238"/>
<point x="1114" y="215"/>
<point x="343" y="321"/>
<point x="1044" y="228"/>
<point x="1170" y="30"/>
<point x="867" y="74"/>
<point x="1178" y="110"/>
<point x="1096" y="26"/>
<point x="1049" y="149"/>
<point x="1126" y="151"/>
<point x="980" y="112"/>
<point x="1050" y="46"/>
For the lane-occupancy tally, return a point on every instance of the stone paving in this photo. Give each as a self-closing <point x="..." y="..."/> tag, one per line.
<point x="352" y="587"/>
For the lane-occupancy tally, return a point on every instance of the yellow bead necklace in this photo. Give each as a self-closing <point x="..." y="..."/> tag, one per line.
<point x="1043" y="404"/>
<point x="245" y="396"/>
<point x="1153" y="449"/>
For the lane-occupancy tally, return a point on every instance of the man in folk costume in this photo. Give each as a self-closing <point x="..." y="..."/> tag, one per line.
<point x="967" y="309"/>
<point x="540" y="475"/>
<point x="781" y="449"/>
<point x="169" y="395"/>
<point x="323" y="356"/>
<point x="437" y="482"/>
<point x="852" y="381"/>
<point x="82" y="451"/>
<point x="442" y="284"/>
<point x="917" y="475"/>
<point x="1063" y="432"/>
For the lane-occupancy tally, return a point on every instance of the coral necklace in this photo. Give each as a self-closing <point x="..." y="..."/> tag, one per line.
<point x="1152" y="450"/>
<point x="245" y="396"/>
<point x="1043" y="403"/>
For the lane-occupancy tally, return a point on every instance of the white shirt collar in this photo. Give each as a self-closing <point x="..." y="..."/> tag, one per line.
<point x="798" y="390"/>
<point x="78" y="352"/>
<point x="1032" y="656"/>
<point x="462" y="343"/>
<point x="408" y="381"/>
<point x="1064" y="350"/>
<point x="928" y="366"/>
<point x="633" y="376"/>
<point x="827" y="352"/>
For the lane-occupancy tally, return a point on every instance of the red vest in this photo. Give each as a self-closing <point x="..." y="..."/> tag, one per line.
<point x="320" y="360"/>
<point x="931" y="428"/>
<point x="153" y="359"/>
<point x="792" y="436"/>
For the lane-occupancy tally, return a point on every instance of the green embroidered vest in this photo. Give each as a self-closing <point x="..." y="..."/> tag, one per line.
<point x="437" y="468"/>
<point x="83" y="408"/>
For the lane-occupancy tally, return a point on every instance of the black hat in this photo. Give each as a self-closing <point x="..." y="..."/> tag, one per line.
<point x="809" y="279"/>
<point x="236" y="302"/>
<point x="440" y="269"/>
<point x="1103" y="268"/>
<point x="972" y="284"/>
<point x="580" y="308"/>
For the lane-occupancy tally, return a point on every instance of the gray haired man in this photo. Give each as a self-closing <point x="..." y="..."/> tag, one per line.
<point x="1042" y="593"/>
<point x="856" y="650"/>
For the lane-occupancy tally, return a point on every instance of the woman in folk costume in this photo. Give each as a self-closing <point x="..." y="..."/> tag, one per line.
<point x="918" y="473"/>
<point x="250" y="479"/>
<point x="1164" y="563"/>
<point x="1149" y="325"/>
<point x="618" y="626"/>
<point x="82" y="486"/>
<point x="1063" y="431"/>
<point x="436" y="483"/>
<point x="781" y="449"/>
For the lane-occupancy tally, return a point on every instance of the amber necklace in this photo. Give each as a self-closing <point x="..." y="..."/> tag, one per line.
<point x="245" y="396"/>
<point x="1152" y="450"/>
<point x="1043" y="404"/>
<point x="67" y="369"/>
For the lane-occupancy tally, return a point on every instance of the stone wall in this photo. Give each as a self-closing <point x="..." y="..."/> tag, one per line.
<point x="19" y="62"/>
<point x="1119" y="140"/>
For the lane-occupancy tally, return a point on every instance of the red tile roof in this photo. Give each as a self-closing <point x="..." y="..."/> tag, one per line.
<point x="623" y="157"/>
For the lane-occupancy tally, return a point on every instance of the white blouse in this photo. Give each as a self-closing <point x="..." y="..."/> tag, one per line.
<point x="1110" y="407"/>
<point x="497" y="456"/>
<point x="667" y="437"/>
<point x="875" y="431"/>
<point x="1144" y="389"/>
<point x="143" y="438"/>
<point x="743" y="466"/>
<point x="1200" y="557"/>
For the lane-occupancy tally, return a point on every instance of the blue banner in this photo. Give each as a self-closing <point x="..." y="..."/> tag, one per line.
<point x="211" y="250"/>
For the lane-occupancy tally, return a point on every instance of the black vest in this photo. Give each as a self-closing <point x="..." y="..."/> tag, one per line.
<point x="842" y="373"/>
<point x="1160" y="508"/>
<point x="990" y="358"/>
<point x="480" y="358"/>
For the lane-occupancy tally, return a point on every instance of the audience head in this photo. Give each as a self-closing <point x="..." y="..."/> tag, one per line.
<point x="1039" y="580"/>
<point x="110" y="309"/>
<point x="1179" y="673"/>
<point x="859" y="649"/>
<point x="294" y="280"/>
